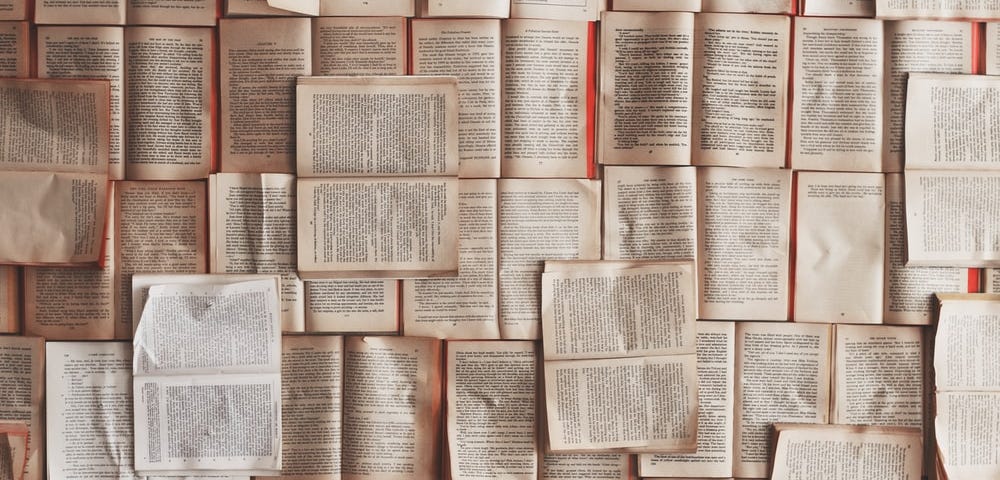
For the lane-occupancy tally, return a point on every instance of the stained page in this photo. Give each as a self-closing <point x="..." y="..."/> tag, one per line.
<point x="22" y="366"/>
<point x="15" y="57"/>
<point x="650" y="213"/>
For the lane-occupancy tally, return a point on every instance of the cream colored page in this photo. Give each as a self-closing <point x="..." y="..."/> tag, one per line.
<point x="968" y="333"/>
<point x="168" y="102"/>
<point x="967" y="426"/>
<point x="716" y="383"/>
<point x="489" y="381"/>
<point x="15" y="58"/>
<point x="828" y="8"/>
<point x="89" y="52"/>
<point x="361" y="306"/>
<point x="465" y="306"/>
<point x="22" y="366"/>
<point x="470" y="50"/>
<point x="595" y="312"/>
<point x="576" y="10"/>
<point x="741" y="93"/>
<point x="311" y="407"/>
<point x="992" y="49"/>
<point x="837" y="107"/>
<point x="933" y="10"/>
<point x="840" y="247"/>
<point x="908" y="296"/>
<point x="793" y="359"/>
<point x="951" y="218"/>
<point x="541" y="220"/>
<point x="463" y="8"/>
<point x="947" y="117"/>
<point x="846" y="453"/>
<point x="647" y="404"/>
<point x="646" y="88"/>
<point x="89" y="410"/>
<point x="10" y="300"/>
<point x="991" y="280"/>
<point x="650" y="213"/>
<point x="392" y="408"/>
<point x="253" y="231"/>
<point x="309" y="7"/>
<point x="379" y="126"/>
<point x="545" y="110"/>
<point x="367" y="8"/>
<point x="160" y="228"/>
<point x="13" y="450"/>
<point x="743" y="243"/>
<point x="748" y="6"/>
<point x="80" y="12"/>
<point x="879" y="376"/>
<point x="256" y="8"/>
<point x="142" y="282"/>
<point x="259" y="60"/>
<point x="917" y="46"/>
<point x="172" y="12"/>
<point x="52" y="218"/>
<point x="14" y="10"/>
<point x="658" y="5"/>
<point x="585" y="466"/>
<point x="359" y="46"/>
<point x="415" y="219"/>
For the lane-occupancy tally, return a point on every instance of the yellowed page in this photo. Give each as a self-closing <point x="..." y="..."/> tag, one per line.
<point x="488" y="381"/>
<point x="748" y="6"/>
<point x="15" y="43"/>
<point x="14" y="10"/>
<point x="10" y="300"/>
<point x="13" y="449"/>
<point x="352" y="306"/>
<point x="658" y="5"/>
<point x="846" y="453"/>
<point x="367" y="8"/>
<point x="641" y="50"/>
<point x="741" y="90"/>
<point x="947" y="117"/>
<point x="359" y="46"/>
<point x="908" y="296"/>
<point x="77" y="12"/>
<point x="464" y="8"/>
<point x="469" y="50"/>
<point x="306" y="7"/>
<point x="312" y="385"/>
<point x="716" y="384"/>
<point x="22" y="367"/>
<point x="966" y="425"/>
<point x="160" y="228"/>
<point x="840" y="247"/>
<point x="785" y="377"/>
<point x="992" y="48"/>
<point x="837" y="107"/>
<point x="650" y="213"/>
<point x="540" y="220"/>
<point x="377" y="227"/>
<point x="545" y="99"/>
<point x="256" y="8"/>
<point x="464" y="307"/>
<point x="967" y="336"/>
<point x="743" y="243"/>
<point x="376" y="126"/>
<point x="252" y="219"/>
<point x="991" y="280"/>
<point x="838" y="8"/>
<point x="937" y="10"/>
<point x="168" y="100"/>
<point x="576" y="10"/>
<point x="392" y="408"/>
<point x="585" y="466"/>
<point x="259" y="60"/>
<point x="171" y="12"/>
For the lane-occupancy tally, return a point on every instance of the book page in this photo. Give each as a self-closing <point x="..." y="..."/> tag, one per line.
<point x="647" y="404"/>
<point x="547" y="115"/>
<point x="463" y="8"/>
<point x="257" y="74"/>
<point x="160" y="228"/>
<point x="168" y="100"/>
<point x="585" y="466"/>
<point x="837" y="452"/>
<point x="908" y="296"/>
<point x="936" y="10"/>
<point x="259" y="8"/>
<point x="642" y="51"/>
<point x="172" y="12"/>
<point x="991" y="280"/>
<point x="13" y="449"/>
<point x="488" y="381"/>
<point x="947" y="115"/>
<point x="308" y="7"/>
<point x="357" y="126"/>
<point x="837" y="107"/>
<point x="650" y="213"/>
<point x="311" y="407"/>
<point x="80" y="12"/>
<point x="469" y="50"/>
<point x="10" y="300"/>
<point x="967" y="425"/>
<point x="14" y="10"/>
<point x="992" y="50"/>
<point x="252" y="221"/>
<point x="828" y="8"/>
<point x="578" y="10"/>
<point x="465" y="306"/>
<point x="392" y="408"/>
<point x="89" y="52"/>
<point x="377" y="227"/>
<point x="367" y="8"/>
<point x="22" y="366"/>
<point x="951" y="218"/>
<point x="207" y="362"/>
<point x="541" y="220"/>
<point x="740" y="105"/>
<point x="657" y="5"/>
<point x="879" y="376"/>
<point x="785" y="7"/>
<point x="15" y="57"/>
<point x="352" y="306"/>
<point x="785" y="377"/>
<point x="967" y="333"/>
<point x="917" y="46"/>
<point x="743" y="243"/>
<point x="359" y="46"/>
<point x="716" y="384"/>
<point x="840" y="247"/>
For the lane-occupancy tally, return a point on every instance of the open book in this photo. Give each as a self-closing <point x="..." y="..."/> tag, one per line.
<point x="131" y="12"/>
<point x="839" y="452"/>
